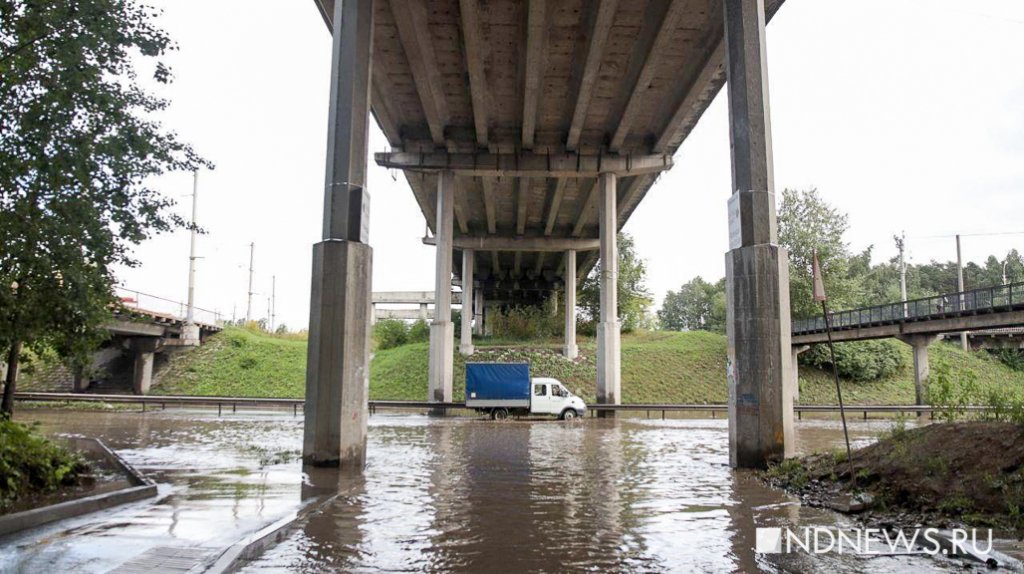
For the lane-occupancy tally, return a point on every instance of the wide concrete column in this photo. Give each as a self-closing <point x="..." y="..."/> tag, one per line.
<point x="608" y="360"/>
<point x="442" y="331"/>
<point x="757" y="270"/>
<point x="338" y="355"/>
<point x="919" y="344"/>
<point x="144" y="349"/>
<point x="570" y="350"/>
<point x="466" y="336"/>
<point x="478" y="312"/>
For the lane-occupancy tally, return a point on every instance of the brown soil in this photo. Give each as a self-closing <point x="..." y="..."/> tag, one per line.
<point x="966" y="472"/>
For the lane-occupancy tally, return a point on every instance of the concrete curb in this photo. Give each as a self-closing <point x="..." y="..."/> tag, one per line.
<point x="142" y="488"/>
<point x="250" y="547"/>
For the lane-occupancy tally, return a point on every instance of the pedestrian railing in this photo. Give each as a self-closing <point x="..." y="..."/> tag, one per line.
<point x="976" y="301"/>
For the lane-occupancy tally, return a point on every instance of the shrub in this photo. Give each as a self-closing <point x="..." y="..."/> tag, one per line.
<point x="526" y="323"/>
<point x="419" y="332"/>
<point x="859" y="360"/>
<point x="1013" y="358"/>
<point x="30" y="463"/>
<point x="390" y="333"/>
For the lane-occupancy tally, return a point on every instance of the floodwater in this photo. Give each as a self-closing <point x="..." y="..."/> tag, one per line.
<point x="447" y="495"/>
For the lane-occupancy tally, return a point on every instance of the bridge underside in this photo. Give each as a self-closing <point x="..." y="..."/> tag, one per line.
<point x="529" y="131"/>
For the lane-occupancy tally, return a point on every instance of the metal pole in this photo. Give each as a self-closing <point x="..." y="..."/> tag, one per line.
<point x="248" y="308"/>
<point x="901" y="242"/>
<point x="960" y="288"/>
<point x="273" y="301"/>
<point x="835" y="375"/>
<point x="190" y="315"/>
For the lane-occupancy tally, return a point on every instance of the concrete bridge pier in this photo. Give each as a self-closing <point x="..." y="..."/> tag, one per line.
<point x="337" y="371"/>
<point x="757" y="272"/>
<point x="797" y="350"/>
<point x="144" y="349"/>
<point x="919" y="344"/>
<point x="442" y="331"/>
<point x="466" y="336"/>
<point x="608" y="334"/>
<point x="478" y="312"/>
<point x="570" y="350"/>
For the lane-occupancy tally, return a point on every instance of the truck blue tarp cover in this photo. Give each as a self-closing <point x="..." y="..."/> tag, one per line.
<point x="498" y="382"/>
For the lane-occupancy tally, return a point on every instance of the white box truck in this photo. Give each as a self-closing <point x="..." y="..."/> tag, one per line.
<point x="503" y="389"/>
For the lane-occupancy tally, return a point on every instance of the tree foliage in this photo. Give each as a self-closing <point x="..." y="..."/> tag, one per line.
<point x="698" y="305"/>
<point x="634" y="298"/>
<point x="79" y="145"/>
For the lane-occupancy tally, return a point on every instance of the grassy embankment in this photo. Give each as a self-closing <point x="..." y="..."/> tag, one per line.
<point x="657" y="367"/>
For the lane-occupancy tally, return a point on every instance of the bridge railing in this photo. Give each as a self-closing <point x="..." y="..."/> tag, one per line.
<point x="133" y="299"/>
<point x="983" y="300"/>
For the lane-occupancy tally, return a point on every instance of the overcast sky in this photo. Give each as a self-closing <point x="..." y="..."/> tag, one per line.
<point x="906" y="114"/>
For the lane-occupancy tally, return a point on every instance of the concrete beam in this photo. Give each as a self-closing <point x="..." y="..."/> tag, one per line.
<point x="540" y="264"/>
<point x="466" y="335"/>
<point x="658" y="43"/>
<point x="522" y="201"/>
<point x="442" y="331"/>
<point x="636" y="185"/>
<point x="533" y="71"/>
<point x="488" y="193"/>
<point x="414" y="34"/>
<point x="570" y="350"/>
<point x="135" y="329"/>
<point x="460" y="211"/>
<point x="517" y="264"/>
<point x="602" y="16"/>
<point x="492" y="243"/>
<point x="757" y="273"/>
<point x="692" y="103"/>
<point x="588" y="207"/>
<point x="410" y="297"/>
<point x="555" y="204"/>
<point x="608" y="331"/>
<point x="473" y="50"/>
<point x="524" y="164"/>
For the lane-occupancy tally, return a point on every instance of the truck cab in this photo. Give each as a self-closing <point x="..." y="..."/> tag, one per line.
<point x="549" y="397"/>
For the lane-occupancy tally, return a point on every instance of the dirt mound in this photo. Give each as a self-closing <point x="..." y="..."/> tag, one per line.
<point x="967" y="472"/>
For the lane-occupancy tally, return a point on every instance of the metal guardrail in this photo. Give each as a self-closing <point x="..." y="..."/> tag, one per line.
<point x="296" y="404"/>
<point x="1000" y="298"/>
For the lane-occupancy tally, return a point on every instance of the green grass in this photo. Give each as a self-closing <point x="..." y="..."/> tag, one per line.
<point x="657" y="367"/>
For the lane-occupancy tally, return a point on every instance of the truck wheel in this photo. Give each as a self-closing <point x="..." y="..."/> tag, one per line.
<point x="568" y="414"/>
<point x="499" y="414"/>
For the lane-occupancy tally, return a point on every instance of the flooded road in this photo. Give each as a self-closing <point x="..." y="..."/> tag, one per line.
<point x="448" y="495"/>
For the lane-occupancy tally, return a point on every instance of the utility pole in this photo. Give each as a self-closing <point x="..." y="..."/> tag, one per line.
<point x="190" y="316"/>
<point x="248" y="307"/>
<point x="270" y="329"/>
<point x="960" y="288"/>
<point x="1005" y="261"/>
<point x="901" y="244"/>
<point x="273" y="301"/>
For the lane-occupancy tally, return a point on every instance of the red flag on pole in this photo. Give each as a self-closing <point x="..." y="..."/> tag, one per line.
<point x="819" y="283"/>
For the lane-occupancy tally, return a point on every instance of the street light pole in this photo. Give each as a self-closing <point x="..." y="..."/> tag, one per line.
<point x="248" y="307"/>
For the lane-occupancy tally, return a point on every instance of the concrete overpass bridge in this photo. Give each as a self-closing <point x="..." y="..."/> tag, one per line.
<point x="529" y="131"/>
<point x="919" y="322"/>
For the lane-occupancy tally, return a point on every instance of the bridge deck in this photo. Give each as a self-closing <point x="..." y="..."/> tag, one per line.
<point x="530" y="79"/>
<point x="985" y="308"/>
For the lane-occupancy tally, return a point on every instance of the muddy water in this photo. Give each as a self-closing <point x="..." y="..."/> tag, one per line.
<point x="446" y="494"/>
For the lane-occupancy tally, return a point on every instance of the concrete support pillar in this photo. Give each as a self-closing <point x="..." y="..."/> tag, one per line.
<point x="373" y="313"/>
<point x="571" y="351"/>
<point x="608" y="365"/>
<point x="757" y="271"/>
<point x="423" y="312"/>
<point x="919" y="344"/>
<point x="478" y="312"/>
<point x="554" y="303"/>
<point x="144" y="349"/>
<point x="442" y="331"/>
<point x="338" y="355"/>
<point x="488" y="314"/>
<point x="797" y="349"/>
<point x="466" y="336"/>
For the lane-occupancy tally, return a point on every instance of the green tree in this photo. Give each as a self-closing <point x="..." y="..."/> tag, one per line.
<point x="634" y="298"/>
<point x="807" y="223"/>
<point x="79" y="144"/>
<point x="698" y="305"/>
